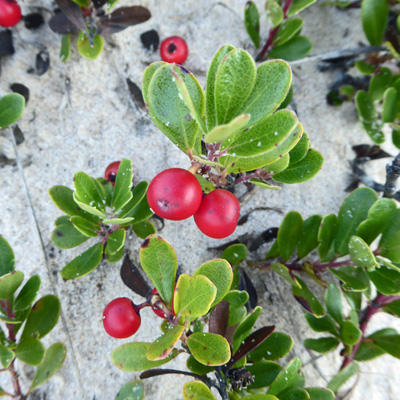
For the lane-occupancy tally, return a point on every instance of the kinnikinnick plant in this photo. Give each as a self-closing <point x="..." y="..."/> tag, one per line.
<point x="25" y="323"/>
<point x="205" y="318"/>
<point x="284" y="40"/>
<point x="361" y="247"/>
<point x="92" y="19"/>
<point x="101" y="208"/>
<point x="233" y="132"/>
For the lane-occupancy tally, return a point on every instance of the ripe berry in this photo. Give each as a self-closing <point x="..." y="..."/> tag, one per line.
<point x="174" y="194"/>
<point x="10" y="13"/>
<point x="111" y="172"/>
<point x="218" y="214"/>
<point x="120" y="318"/>
<point x="174" y="50"/>
<point x="159" y="312"/>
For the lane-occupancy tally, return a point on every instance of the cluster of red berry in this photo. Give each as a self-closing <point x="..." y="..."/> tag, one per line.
<point x="10" y="13"/>
<point x="176" y="194"/>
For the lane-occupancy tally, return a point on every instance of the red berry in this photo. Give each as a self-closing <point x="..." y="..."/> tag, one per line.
<point x="159" y="312"/>
<point x="111" y="172"/>
<point x="87" y="12"/>
<point x="218" y="214"/>
<point x="120" y="319"/>
<point x="10" y="13"/>
<point x="174" y="50"/>
<point x="174" y="194"/>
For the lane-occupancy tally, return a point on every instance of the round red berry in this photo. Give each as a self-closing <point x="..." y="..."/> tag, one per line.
<point x="174" y="194"/>
<point x="10" y="13"/>
<point x="174" y="50"/>
<point x="111" y="172"/>
<point x="218" y="214"/>
<point x="120" y="318"/>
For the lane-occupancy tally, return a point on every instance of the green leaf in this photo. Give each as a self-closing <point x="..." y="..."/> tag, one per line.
<point x="288" y="29"/>
<point x="299" y="5"/>
<point x="353" y="211"/>
<point x="393" y="308"/>
<point x="138" y="195"/>
<point x="197" y="390"/>
<point x="144" y="229"/>
<point x="30" y="351"/>
<point x="261" y="397"/>
<point x="296" y="393"/>
<point x="168" y="110"/>
<point x="112" y="259"/>
<point x="320" y="394"/>
<point x="123" y="183"/>
<point x="396" y="138"/>
<point x="6" y="356"/>
<point x="209" y="348"/>
<point x="276" y="346"/>
<point x="368" y="351"/>
<point x="285" y="273"/>
<point x="89" y="191"/>
<point x="322" y="345"/>
<point x="221" y="132"/>
<point x="162" y="346"/>
<point x="196" y="367"/>
<point x="322" y="324"/>
<point x="278" y="166"/>
<point x="84" y="264"/>
<point x="343" y="376"/>
<point x="307" y="299"/>
<point x="333" y="303"/>
<point x="42" y="318"/>
<point x="199" y="297"/>
<point x="115" y="242"/>
<point x="386" y="280"/>
<point x="158" y="260"/>
<point x="9" y="283"/>
<point x="53" y="360"/>
<point x="326" y="235"/>
<point x="361" y="254"/>
<point x="132" y="357"/>
<point x="264" y="373"/>
<point x="365" y="107"/>
<point x="237" y="310"/>
<point x="303" y="170"/>
<point x="252" y="22"/>
<point x="85" y="227"/>
<point x="65" y="51"/>
<point x="295" y="49"/>
<point x="180" y="291"/>
<point x="289" y="234"/>
<point x="244" y="328"/>
<point x="235" y="253"/>
<point x="7" y="260"/>
<point x="28" y="293"/>
<point x="308" y="240"/>
<point x="389" y="243"/>
<point x="118" y="221"/>
<point x="66" y="236"/>
<point x="11" y="108"/>
<point x="300" y="150"/>
<point x="219" y="272"/>
<point x="88" y="50"/>
<point x="374" y="17"/>
<point x="274" y="12"/>
<point x="379" y="83"/>
<point x="389" y="109"/>
<point x="288" y="377"/>
<point x="211" y="116"/>
<point x="354" y="279"/>
<point x="364" y="67"/>
<point x="350" y="333"/>
<point x="261" y="183"/>
<point x="374" y="131"/>
<point x="82" y="3"/>
<point x="133" y="390"/>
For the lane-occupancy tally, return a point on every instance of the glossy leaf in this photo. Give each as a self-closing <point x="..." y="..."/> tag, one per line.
<point x="295" y="49"/>
<point x="326" y="235"/>
<point x="144" y="229"/>
<point x="87" y="228"/>
<point x="115" y="241"/>
<point x="7" y="260"/>
<point x="343" y="376"/>
<point x="279" y="165"/>
<point x="365" y="107"/>
<point x="123" y="182"/>
<point x="65" y="51"/>
<point x="393" y="308"/>
<point x="307" y="299"/>
<point x="162" y="346"/>
<point x="285" y="273"/>
<point x="289" y="234"/>
<point x="389" y="109"/>
<point x="353" y="278"/>
<point x="6" y="356"/>
<point x="295" y="393"/>
<point x="288" y="377"/>
<point x="308" y="240"/>
<point x="133" y="390"/>
<point x="386" y="280"/>
<point x="158" y="260"/>
<point x="30" y="351"/>
<point x="374" y="17"/>
<point x="389" y="243"/>
<point x="89" y="191"/>
<point x="196" y="367"/>
<point x="320" y="394"/>
<point x="288" y="29"/>
<point x="300" y="150"/>
<point x="9" y="283"/>
<point x="73" y="12"/>
<point x="138" y="194"/>
<point x="66" y="236"/>
<point x="252" y="22"/>
<point x="368" y="351"/>
<point x="244" y="328"/>
<point x="180" y="291"/>
<point x="11" y="108"/>
<point x="132" y="278"/>
<point x="379" y="83"/>
<point x="299" y="5"/>
<point x="350" y="333"/>
<point x="235" y="253"/>
<point x="222" y="132"/>
<point x="333" y="303"/>
<point x="322" y="345"/>
<point x="237" y="310"/>
<point x="361" y="254"/>
<point x="219" y="317"/>
<point x="88" y="50"/>
<point x="28" y="293"/>
<point x="197" y="390"/>
<point x="264" y="373"/>
<point x="274" y="12"/>
<point x="322" y="324"/>
<point x="84" y="264"/>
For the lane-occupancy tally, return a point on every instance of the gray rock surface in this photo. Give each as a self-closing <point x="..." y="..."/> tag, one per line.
<point x="80" y="117"/>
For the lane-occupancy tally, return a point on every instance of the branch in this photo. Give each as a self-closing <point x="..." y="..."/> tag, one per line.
<point x="392" y="175"/>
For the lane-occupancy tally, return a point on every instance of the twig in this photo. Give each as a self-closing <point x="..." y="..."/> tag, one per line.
<point x="392" y="175"/>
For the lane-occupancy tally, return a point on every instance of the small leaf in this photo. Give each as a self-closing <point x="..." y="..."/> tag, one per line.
<point x="30" y="351"/>
<point x="295" y="393"/>
<point x="115" y="241"/>
<point x="320" y="394"/>
<point x="365" y="107"/>
<point x="279" y="165"/>
<point x="144" y="229"/>
<point x="285" y="273"/>
<point x="261" y="183"/>
<point x="300" y="150"/>
<point x="288" y="29"/>
<point x="244" y="328"/>
<point x="133" y="390"/>
<point x="28" y="293"/>
<point x="237" y="310"/>
<point x="197" y="368"/>
<point x="350" y="333"/>
<point x="333" y="303"/>
<point x="368" y="351"/>
<point x="123" y="182"/>
<point x="222" y="132"/>
<point x="65" y="51"/>
<point x="53" y="360"/>
<point x="322" y="324"/>
<point x="252" y="22"/>
<point x="84" y="264"/>
<point x="264" y="373"/>
<point x="132" y="278"/>
<point x="197" y="390"/>
<point x="289" y="234"/>
<point x="43" y="317"/>
<point x="274" y="12"/>
<point x="326" y="235"/>
<point x="288" y="377"/>
<point x="89" y="192"/>
<point x="389" y="109"/>
<point x="180" y="291"/>
<point x="6" y="356"/>
<point x="299" y="5"/>
<point x="132" y="357"/>
<point x="7" y="260"/>
<point x="88" y="50"/>
<point x="158" y="260"/>
<point x="374" y="17"/>
<point x="235" y="253"/>
<point x="386" y="280"/>
<point x="295" y="49"/>
<point x="11" y="108"/>
<point x="393" y="308"/>
<point x="343" y="376"/>
<point x="308" y="240"/>
<point x="361" y="254"/>
<point x="73" y="12"/>
<point x="307" y="299"/>
<point x="379" y="83"/>
<point x="354" y="279"/>
<point x="138" y="194"/>
<point x="162" y="346"/>
<point x="322" y="345"/>
<point x="389" y="242"/>
<point x="9" y="283"/>
<point x="66" y="236"/>
<point x="209" y="349"/>
<point x="87" y="228"/>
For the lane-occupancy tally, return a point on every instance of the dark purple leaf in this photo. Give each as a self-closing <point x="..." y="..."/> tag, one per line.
<point x="123" y="18"/>
<point x="42" y="62"/>
<point x="304" y="303"/>
<point x="136" y="94"/>
<point x="218" y="322"/>
<point x="132" y="278"/>
<point x="33" y="20"/>
<point x="371" y="152"/>
<point x="150" y="40"/>
<point x="73" y="12"/>
<point x="18" y="135"/>
<point x="249" y="344"/>
<point x="21" y="89"/>
<point x="59" y="23"/>
<point x="6" y="43"/>
<point x="224" y="246"/>
<point x="150" y="373"/>
<point x="99" y="3"/>
<point x="265" y="237"/>
<point x="246" y="284"/>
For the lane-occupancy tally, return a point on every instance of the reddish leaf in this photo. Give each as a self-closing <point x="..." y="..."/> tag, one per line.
<point x="59" y="23"/>
<point x="218" y="322"/>
<point x="73" y="12"/>
<point x="132" y="278"/>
